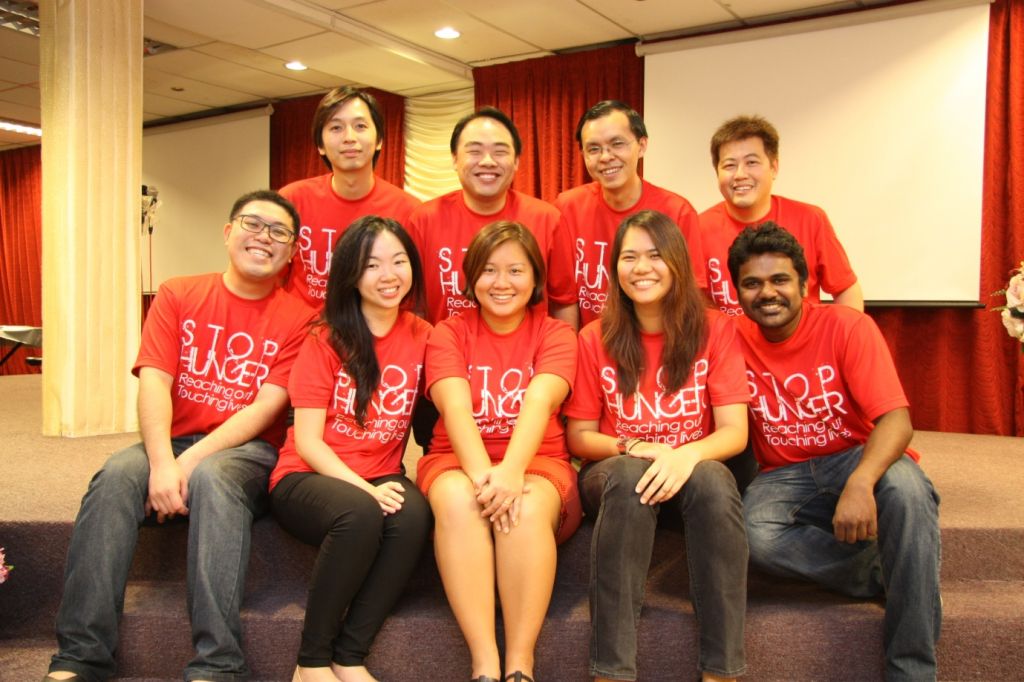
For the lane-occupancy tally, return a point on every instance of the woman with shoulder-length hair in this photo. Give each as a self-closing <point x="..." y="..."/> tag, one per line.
<point x="339" y="480"/>
<point x="659" y="400"/>
<point x="498" y="374"/>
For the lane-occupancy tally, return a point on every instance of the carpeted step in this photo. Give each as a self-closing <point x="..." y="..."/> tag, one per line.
<point x="795" y="632"/>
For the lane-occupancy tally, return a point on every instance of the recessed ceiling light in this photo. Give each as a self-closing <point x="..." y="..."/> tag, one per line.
<point x="447" y="33"/>
<point x="296" y="66"/>
<point x="19" y="128"/>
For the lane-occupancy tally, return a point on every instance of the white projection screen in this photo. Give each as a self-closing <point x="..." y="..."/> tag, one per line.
<point x="200" y="168"/>
<point x="881" y="124"/>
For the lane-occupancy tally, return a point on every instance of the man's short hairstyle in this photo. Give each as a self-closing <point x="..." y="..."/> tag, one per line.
<point x="741" y="128"/>
<point x="491" y="113"/>
<point x="266" y="195"/>
<point x="766" y="238"/>
<point x="489" y="238"/>
<point x="336" y="98"/>
<point x="608" y="106"/>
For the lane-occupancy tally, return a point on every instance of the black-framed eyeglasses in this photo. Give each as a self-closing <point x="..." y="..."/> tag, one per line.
<point x="255" y="224"/>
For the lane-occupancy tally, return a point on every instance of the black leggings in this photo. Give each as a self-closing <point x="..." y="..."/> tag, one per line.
<point x="364" y="562"/>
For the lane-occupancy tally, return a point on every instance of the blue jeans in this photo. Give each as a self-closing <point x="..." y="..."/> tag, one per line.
<point x="226" y="491"/>
<point x="620" y="554"/>
<point x="789" y="526"/>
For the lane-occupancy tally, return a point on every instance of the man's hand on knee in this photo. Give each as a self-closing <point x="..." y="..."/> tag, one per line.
<point x="168" y="490"/>
<point x="856" y="516"/>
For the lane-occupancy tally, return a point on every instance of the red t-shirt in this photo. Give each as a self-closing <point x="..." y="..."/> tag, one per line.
<point x="443" y="227"/>
<point x="319" y="380"/>
<point x="499" y="368"/>
<point x="592" y="223"/>
<point x="325" y="216"/>
<point x="220" y="349"/>
<point x="717" y="378"/>
<point x="827" y="265"/>
<point x="819" y="391"/>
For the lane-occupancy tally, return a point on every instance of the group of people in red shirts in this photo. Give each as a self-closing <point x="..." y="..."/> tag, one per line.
<point x="616" y="326"/>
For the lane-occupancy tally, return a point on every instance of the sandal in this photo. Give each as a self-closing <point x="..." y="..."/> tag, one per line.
<point x="518" y="676"/>
<point x="485" y="678"/>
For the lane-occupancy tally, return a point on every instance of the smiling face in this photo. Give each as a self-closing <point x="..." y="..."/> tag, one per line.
<point x="505" y="286"/>
<point x="349" y="137"/>
<point x="745" y="178"/>
<point x="485" y="161"/>
<point x="255" y="259"/>
<point x="644" y="276"/>
<point x="611" y="151"/>
<point x="387" y="276"/>
<point x="771" y="294"/>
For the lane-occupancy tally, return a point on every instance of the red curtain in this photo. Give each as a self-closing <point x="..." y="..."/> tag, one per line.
<point x="962" y="372"/>
<point x="293" y="156"/>
<point x="546" y="97"/>
<point x="21" y="300"/>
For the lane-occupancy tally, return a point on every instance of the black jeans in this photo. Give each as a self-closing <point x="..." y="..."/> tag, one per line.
<point x="364" y="562"/>
<point x="620" y="554"/>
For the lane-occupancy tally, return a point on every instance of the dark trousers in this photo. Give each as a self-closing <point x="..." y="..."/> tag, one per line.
<point x="364" y="562"/>
<point x="620" y="554"/>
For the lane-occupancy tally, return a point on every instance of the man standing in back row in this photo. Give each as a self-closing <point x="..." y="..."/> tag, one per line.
<point x="745" y="155"/>
<point x="485" y="148"/>
<point x="348" y="131"/>
<point x="613" y="139"/>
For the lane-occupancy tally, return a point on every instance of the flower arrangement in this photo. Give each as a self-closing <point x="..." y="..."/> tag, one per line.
<point x="5" y="569"/>
<point x="1013" y="312"/>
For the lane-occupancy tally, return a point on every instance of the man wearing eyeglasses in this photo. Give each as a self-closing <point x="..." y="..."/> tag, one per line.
<point x="213" y="375"/>
<point x="613" y="139"/>
<point x="348" y="131"/>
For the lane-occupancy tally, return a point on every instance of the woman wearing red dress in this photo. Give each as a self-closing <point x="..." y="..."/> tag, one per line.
<point x="498" y="476"/>
<point x="338" y="483"/>
<point x="659" y="400"/>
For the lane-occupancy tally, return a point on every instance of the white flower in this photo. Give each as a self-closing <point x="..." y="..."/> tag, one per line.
<point x="1015" y="292"/>
<point x="1014" y="326"/>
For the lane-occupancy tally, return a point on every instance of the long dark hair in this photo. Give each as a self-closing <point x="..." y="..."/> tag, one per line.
<point x="683" y="309"/>
<point x="350" y="336"/>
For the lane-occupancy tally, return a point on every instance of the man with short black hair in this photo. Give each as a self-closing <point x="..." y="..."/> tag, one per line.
<point x="486" y="148"/>
<point x="745" y="155"/>
<point x="213" y="375"/>
<point x="613" y="138"/>
<point x="840" y="499"/>
<point x="348" y="131"/>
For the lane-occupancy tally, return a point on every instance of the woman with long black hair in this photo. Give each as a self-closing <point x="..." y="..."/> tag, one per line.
<point x="339" y="482"/>
<point x="659" y="400"/>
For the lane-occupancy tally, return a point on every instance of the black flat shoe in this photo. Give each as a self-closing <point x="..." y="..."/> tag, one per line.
<point x="518" y="676"/>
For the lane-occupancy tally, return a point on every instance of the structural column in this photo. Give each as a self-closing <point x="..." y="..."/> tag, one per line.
<point x="91" y="91"/>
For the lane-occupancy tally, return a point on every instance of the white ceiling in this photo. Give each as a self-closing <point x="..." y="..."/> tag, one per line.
<point x="232" y="52"/>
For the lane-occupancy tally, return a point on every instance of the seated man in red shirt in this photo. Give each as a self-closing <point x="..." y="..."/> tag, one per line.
<point x="745" y="154"/>
<point x="840" y="499"/>
<point x="213" y="375"/>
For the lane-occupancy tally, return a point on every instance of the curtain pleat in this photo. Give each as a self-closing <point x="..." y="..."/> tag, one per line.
<point x="21" y="229"/>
